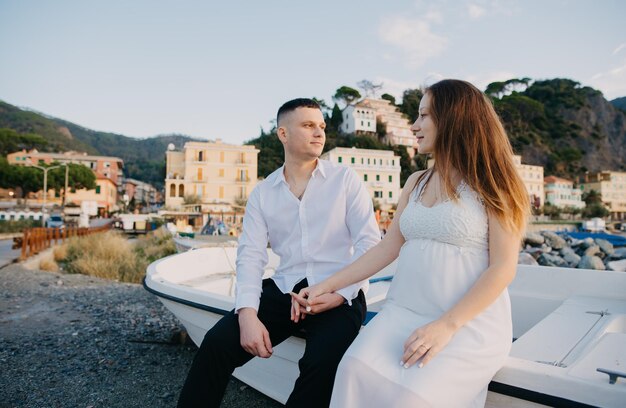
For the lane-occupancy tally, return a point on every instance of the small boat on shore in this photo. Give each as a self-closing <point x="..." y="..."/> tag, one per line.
<point x="569" y="328"/>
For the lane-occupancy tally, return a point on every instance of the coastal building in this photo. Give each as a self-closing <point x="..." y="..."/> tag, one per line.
<point x="562" y="193"/>
<point x="612" y="187"/>
<point x="215" y="175"/>
<point x="107" y="169"/>
<point x="105" y="166"/>
<point x="104" y="195"/>
<point x="397" y="125"/>
<point x="379" y="170"/>
<point x="532" y="176"/>
<point x="359" y="120"/>
<point x="141" y="192"/>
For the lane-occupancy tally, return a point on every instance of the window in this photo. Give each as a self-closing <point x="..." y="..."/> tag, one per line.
<point x="221" y="192"/>
<point x="339" y="159"/>
<point x="365" y="177"/>
<point x="221" y="172"/>
<point x="181" y="190"/>
<point x="221" y="157"/>
<point x="352" y="160"/>
<point x="378" y="194"/>
<point x="368" y="161"/>
<point x="199" y="173"/>
<point x="97" y="189"/>
<point x="378" y="177"/>
<point x="393" y="162"/>
<point x="390" y="179"/>
<point x="200" y="155"/>
<point x="172" y="190"/>
<point x="361" y="123"/>
<point x="390" y="194"/>
<point x="361" y="160"/>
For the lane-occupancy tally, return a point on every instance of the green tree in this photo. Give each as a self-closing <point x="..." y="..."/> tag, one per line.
<point x="11" y="141"/>
<point x="389" y="98"/>
<point x="592" y="197"/>
<point x="335" y="120"/>
<point x="411" y="102"/>
<point x="346" y="95"/>
<point x="595" y="210"/>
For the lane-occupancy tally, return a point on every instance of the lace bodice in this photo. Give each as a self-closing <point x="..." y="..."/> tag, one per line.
<point x="462" y="223"/>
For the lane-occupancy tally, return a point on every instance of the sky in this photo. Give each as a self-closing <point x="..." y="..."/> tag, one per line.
<point x="212" y="69"/>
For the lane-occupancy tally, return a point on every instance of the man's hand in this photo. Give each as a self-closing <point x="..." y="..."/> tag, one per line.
<point x="254" y="337"/>
<point x="300" y="306"/>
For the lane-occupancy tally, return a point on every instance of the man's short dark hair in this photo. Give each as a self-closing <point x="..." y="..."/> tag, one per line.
<point x="294" y="104"/>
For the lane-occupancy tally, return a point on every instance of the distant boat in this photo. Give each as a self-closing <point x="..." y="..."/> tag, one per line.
<point x="569" y="329"/>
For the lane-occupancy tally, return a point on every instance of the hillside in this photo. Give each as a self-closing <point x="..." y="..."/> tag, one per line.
<point x="619" y="103"/>
<point x="144" y="159"/>
<point x="556" y="123"/>
<point x="567" y="128"/>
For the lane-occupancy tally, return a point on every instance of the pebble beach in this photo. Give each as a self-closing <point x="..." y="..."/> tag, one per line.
<point x="78" y="341"/>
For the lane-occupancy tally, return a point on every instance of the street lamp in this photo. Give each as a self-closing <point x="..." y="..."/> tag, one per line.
<point x="45" y="188"/>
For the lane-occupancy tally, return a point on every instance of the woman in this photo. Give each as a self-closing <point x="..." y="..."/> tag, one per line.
<point x="445" y="329"/>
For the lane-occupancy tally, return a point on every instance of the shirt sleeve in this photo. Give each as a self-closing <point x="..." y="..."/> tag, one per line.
<point x="362" y="225"/>
<point x="251" y="254"/>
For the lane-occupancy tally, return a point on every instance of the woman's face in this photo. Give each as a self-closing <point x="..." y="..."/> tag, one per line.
<point x="424" y="128"/>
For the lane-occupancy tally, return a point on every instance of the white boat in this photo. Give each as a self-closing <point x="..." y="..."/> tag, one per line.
<point x="569" y="327"/>
<point x="184" y="244"/>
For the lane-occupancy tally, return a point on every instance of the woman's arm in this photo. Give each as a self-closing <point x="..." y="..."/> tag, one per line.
<point x="428" y="340"/>
<point x="367" y="265"/>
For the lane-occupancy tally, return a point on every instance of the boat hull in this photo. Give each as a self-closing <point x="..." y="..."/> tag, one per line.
<point x="523" y="382"/>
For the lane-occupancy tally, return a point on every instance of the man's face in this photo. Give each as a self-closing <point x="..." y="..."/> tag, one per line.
<point x="302" y="133"/>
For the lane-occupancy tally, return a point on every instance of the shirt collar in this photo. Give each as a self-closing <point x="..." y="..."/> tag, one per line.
<point x="319" y="168"/>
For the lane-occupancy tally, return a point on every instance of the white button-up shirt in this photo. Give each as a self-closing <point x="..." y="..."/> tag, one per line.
<point x="330" y="227"/>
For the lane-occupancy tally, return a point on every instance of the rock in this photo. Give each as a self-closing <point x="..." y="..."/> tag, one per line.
<point x="617" y="265"/>
<point x="533" y="239"/>
<point x="572" y="259"/>
<point x="619" y="253"/>
<point x="605" y="246"/>
<point x="554" y="240"/>
<point x="551" y="260"/>
<point x="534" y="252"/>
<point x="591" y="262"/>
<point x="526" y="259"/>
<point x="591" y="251"/>
<point x="586" y="243"/>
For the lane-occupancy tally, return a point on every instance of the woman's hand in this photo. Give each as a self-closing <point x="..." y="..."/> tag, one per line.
<point x="426" y="341"/>
<point x="312" y="300"/>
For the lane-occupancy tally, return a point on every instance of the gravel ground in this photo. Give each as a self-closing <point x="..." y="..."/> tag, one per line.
<point x="78" y="341"/>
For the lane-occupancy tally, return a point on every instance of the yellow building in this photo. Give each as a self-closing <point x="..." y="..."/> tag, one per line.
<point x="612" y="187"/>
<point x="532" y="176"/>
<point x="218" y="174"/>
<point x="379" y="170"/>
<point x="105" y="195"/>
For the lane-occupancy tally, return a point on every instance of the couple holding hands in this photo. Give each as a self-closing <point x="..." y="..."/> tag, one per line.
<point x="445" y="328"/>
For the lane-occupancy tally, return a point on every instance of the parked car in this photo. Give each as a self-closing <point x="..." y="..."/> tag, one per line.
<point x="55" y="221"/>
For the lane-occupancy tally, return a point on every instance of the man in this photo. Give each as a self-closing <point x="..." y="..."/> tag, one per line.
<point x="318" y="218"/>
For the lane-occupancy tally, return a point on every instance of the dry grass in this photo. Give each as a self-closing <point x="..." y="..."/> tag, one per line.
<point x="110" y="255"/>
<point x="59" y="252"/>
<point x="48" y="264"/>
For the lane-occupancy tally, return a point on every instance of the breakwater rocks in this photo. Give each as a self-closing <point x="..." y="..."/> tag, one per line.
<point x="549" y="249"/>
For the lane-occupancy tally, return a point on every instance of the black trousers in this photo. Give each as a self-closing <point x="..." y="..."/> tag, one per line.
<point x="328" y="335"/>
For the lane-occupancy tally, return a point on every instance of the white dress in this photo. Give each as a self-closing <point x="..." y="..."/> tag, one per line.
<point x="446" y="251"/>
